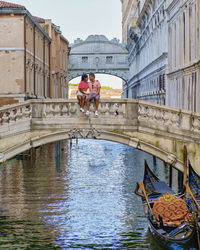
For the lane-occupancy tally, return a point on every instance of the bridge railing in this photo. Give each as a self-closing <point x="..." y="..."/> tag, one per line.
<point x="113" y="113"/>
<point x="15" y="118"/>
<point x="126" y="113"/>
<point x="108" y="108"/>
<point x="168" y="119"/>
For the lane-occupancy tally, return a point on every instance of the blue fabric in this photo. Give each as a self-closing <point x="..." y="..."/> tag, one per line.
<point x="162" y="188"/>
<point x="91" y="96"/>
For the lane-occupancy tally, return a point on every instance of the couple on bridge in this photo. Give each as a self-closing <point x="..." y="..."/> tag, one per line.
<point x="94" y="87"/>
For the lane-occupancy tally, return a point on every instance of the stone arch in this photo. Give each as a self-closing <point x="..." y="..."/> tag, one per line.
<point x="109" y="136"/>
<point x="124" y="77"/>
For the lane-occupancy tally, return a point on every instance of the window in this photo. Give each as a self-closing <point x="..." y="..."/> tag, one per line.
<point x="109" y="59"/>
<point x="134" y="92"/>
<point x="84" y="59"/>
<point x="160" y="82"/>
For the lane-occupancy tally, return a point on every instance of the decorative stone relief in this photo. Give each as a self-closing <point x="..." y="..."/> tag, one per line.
<point x="84" y="133"/>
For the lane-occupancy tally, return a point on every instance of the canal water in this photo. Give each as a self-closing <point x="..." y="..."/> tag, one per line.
<point x="77" y="196"/>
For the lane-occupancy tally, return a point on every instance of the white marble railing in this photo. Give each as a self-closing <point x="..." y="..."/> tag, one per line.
<point x="15" y="118"/>
<point x="15" y="112"/>
<point x="163" y="117"/>
<point x="18" y="117"/>
<point x="70" y="109"/>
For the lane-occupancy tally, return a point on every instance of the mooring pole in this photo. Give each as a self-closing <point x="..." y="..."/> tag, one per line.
<point x="185" y="167"/>
<point x="154" y="160"/>
<point x="31" y="153"/>
<point x="170" y="176"/>
<point x="23" y="156"/>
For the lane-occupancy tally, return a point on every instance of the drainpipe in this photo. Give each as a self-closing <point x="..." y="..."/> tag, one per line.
<point x="34" y="58"/>
<point x="25" y="88"/>
<point x="50" y="70"/>
<point x="44" y="66"/>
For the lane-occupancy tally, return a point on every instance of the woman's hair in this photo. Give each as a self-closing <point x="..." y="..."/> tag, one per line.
<point x="84" y="76"/>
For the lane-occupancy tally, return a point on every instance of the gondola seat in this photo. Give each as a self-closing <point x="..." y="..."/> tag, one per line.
<point x="172" y="209"/>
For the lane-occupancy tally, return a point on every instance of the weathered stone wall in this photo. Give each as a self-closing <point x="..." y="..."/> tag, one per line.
<point x="25" y="56"/>
<point x="64" y="67"/>
<point x="37" y="61"/>
<point x="7" y="101"/>
<point x="58" y="61"/>
<point x="11" y="55"/>
<point x="129" y="16"/>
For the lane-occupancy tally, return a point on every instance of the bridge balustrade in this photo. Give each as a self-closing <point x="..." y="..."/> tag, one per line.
<point x="17" y="117"/>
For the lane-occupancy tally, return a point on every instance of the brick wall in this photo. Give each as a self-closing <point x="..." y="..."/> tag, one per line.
<point x="7" y="101"/>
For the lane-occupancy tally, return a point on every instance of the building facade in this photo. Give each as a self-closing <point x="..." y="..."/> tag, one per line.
<point x="37" y="59"/>
<point x="162" y="37"/>
<point x="145" y="33"/>
<point x="59" y="50"/>
<point x="183" y="86"/>
<point x="26" y="56"/>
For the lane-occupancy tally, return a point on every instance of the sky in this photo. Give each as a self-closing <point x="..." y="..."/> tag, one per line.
<point x="81" y="18"/>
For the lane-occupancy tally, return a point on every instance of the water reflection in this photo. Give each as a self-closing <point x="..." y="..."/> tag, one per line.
<point x="76" y="196"/>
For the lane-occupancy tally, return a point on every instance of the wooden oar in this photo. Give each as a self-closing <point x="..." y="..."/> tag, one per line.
<point x="145" y="194"/>
<point x="191" y="194"/>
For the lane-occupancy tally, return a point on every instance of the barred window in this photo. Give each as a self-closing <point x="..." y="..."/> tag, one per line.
<point x="84" y="59"/>
<point x="109" y="59"/>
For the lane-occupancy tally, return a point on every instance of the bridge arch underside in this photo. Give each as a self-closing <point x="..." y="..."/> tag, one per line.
<point x="120" y="74"/>
<point x="39" y="138"/>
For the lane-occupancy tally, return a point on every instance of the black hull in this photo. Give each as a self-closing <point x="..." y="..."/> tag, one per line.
<point x="183" y="235"/>
<point x="169" y="242"/>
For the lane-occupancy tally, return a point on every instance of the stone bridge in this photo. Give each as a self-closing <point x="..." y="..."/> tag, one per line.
<point x="99" y="55"/>
<point x="155" y="129"/>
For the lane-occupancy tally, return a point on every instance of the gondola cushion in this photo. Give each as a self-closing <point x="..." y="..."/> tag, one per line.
<point x="172" y="209"/>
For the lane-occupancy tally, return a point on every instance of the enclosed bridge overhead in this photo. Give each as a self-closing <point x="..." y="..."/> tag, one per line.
<point x="99" y="55"/>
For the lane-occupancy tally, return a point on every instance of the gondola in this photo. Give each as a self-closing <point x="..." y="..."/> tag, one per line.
<point x="194" y="185"/>
<point x="159" y="200"/>
<point x="193" y="189"/>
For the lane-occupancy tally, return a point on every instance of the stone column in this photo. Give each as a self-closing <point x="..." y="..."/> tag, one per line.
<point x="186" y="91"/>
<point x="177" y="43"/>
<point x="27" y="78"/>
<point x="187" y="32"/>
<point x="173" y="47"/>
<point x="198" y="27"/>
<point x="180" y="47"/>
<point x="32" y="79"/>
<point x="39" y="81"/>
<point x="198" y="90"/>
<point x="193" y="34"/>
